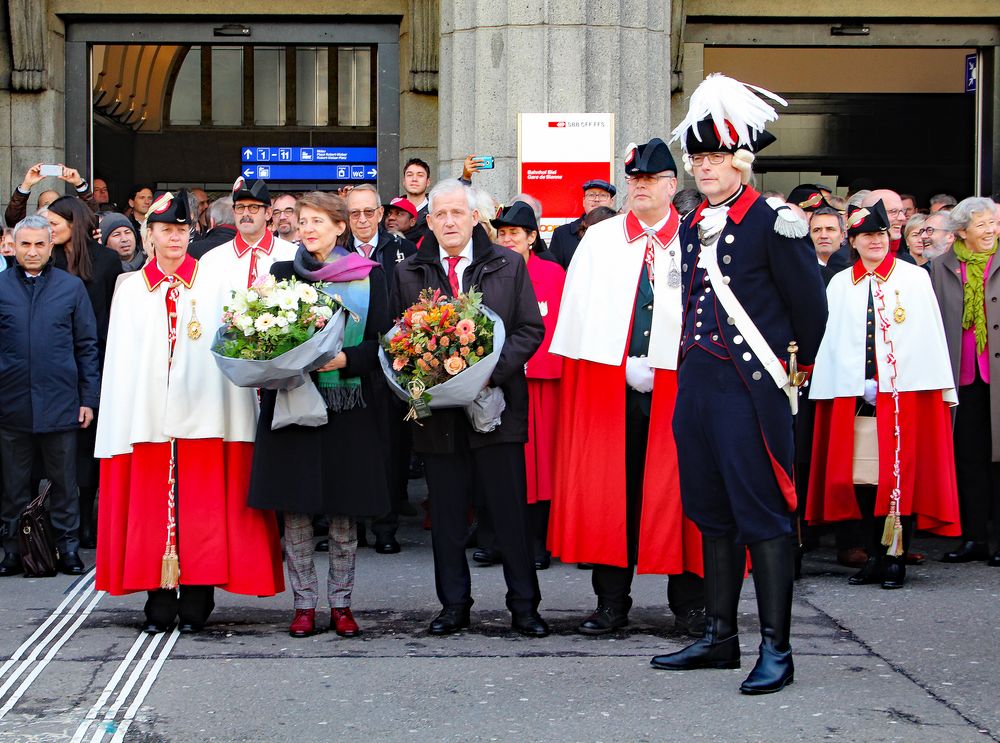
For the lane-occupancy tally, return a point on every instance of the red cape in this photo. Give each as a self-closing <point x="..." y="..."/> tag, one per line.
<point x="928" y="489"/>
<point x="587" y="520"/>
<point x="220" y="540"/>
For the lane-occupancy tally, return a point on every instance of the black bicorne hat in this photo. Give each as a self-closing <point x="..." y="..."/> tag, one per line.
<point x="517" y="214"/>
<point x="808" y="197"/>
<point x="170" y="208"/>
<point x="867" y="219"/>
<point x="711" y="141"/>
<point x="601" y="184"/>
<point x="652" y="157"/>
<point x="254" y="191"/>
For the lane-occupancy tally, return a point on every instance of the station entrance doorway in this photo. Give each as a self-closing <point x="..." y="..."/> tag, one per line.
<point x="182" y="104"/>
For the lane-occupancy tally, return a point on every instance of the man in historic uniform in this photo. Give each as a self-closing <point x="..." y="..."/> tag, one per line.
<point x="752" y="289"/>
<point x="250" y="254"/>
<point x="617" y="499"/>
<point x="175" y="440"/>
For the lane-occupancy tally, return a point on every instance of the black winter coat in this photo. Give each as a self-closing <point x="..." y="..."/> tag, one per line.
<point x="48" y="351"/>
<point x="338" y="468"/>
<point x="502" y="277"/>
<point x="565" y="241"/>
<point x="105" y="268"/>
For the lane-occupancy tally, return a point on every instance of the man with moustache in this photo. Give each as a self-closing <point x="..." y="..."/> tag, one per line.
<point x="249" y="255"/>
<point x="617" y="497"/>
<point x="370" y="240"/>
<point x="751" y="287"/>
<point x="938" y="234"/>
<point x="283" y="218"/>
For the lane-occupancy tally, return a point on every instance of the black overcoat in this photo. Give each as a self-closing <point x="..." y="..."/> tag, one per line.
<point x="338" y="468"/>
<point x="502" y="277"/>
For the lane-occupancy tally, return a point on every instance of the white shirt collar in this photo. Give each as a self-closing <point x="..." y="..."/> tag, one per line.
<point x="656" y="227"/>
<point x="358" y="242"/>
<point x="465" y="258"/>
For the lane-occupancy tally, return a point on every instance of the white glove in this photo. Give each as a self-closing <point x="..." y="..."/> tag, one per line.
<point x="871" y="390"/>
<point x="638" y="374"/>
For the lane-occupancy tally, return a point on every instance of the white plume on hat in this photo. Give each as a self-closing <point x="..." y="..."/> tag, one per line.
<point x="728" y="100"/>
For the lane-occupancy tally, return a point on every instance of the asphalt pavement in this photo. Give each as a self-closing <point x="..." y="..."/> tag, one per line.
<point x="917" y="664"/>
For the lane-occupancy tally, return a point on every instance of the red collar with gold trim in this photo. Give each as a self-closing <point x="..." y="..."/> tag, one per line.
<point x="634" y="229"/>
<point x="241" y="246"/>
<point x="737" y="210"/>
<point x="881" y="272"/>
<point x="185" y="273"/>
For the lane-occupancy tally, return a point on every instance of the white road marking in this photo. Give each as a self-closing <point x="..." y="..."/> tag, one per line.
<point x="97" y="595"/>
<point x="109" y="689"/>
<point x="27" y="644"/>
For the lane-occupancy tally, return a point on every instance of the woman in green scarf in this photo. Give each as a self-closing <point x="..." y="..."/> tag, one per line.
<point x="336" y="469"/>
<point x="967" y="283"/>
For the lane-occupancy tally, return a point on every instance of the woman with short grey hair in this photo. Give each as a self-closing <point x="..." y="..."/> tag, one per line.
<point x="967" y="284"/>
<point x="913" y="232"/>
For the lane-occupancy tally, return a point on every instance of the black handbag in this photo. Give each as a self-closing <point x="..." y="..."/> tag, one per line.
<point x="34" y="539"/>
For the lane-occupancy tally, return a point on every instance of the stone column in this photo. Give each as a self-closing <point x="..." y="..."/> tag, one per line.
<point x="503" y="57"/>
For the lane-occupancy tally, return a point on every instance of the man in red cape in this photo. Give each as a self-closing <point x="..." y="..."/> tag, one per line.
<point x="617" y="498"/>
<point x="175" y="440"/>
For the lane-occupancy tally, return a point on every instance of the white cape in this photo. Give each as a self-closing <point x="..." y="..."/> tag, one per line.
<point x="234" y="270"/>
<point x="146" y="400"/>
<point x="599" y="299"/>
<point x="922" y="360"/>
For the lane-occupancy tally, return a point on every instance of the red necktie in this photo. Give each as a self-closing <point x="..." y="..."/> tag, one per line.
<point x="253" y="268"/>
<point x="367" y="249"/>
<point x="453" y="274"/>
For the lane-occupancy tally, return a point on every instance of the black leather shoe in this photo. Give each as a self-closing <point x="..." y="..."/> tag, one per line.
<point x="543" y="561"/>
<point x="604" y="620"/>
<point x="703" y="653"/>
<point x="387" y="546"/>
<point x="994" y="562"/>
<point x="486" y="557"/>
<point x="894" y="575"/>
<point x="323" y="545"/>
<point x="71" y="564"/>
<point x="529" y="625"/>
<point x="691" y="622"/>
<point x="968" y="552"/>
<point x="189" y="628"/>
<point x="449" y="621"/>
<point x="773" y="672"/>
<point x="153" y="628"/>
<point x="870" y="573"/>
<point x="11" y="565"/>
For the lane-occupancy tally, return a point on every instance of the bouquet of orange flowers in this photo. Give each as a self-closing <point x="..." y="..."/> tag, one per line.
<point x="442" y="351"/>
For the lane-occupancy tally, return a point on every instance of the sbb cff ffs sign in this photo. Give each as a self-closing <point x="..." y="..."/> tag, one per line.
<point x="557" y="154"/>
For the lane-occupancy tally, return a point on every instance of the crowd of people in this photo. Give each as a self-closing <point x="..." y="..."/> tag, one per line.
<point x="688" y="376"/>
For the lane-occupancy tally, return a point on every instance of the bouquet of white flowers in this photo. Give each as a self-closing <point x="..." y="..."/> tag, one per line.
<point x="273" y="334"/>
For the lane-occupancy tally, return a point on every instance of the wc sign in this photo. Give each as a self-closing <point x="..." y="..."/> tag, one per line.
<point x="971" y="72"/>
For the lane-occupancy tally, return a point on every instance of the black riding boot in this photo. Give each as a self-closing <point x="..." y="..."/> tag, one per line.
<point x="773" y="577"/>
<point x="725" y="563"/>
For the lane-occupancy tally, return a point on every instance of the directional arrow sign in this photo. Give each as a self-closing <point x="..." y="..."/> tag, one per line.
<point x="372" y="172"/>
<point x="248" y="172"/>
<point x="248" y="154"/>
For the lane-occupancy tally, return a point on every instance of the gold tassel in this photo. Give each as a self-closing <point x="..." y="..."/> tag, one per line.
<point x="170" y="570"/>
<point x="892" y="536"/>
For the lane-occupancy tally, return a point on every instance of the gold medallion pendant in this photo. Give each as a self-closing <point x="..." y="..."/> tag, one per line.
<point x="194" y="327"/>
<point x="899" y="314"/>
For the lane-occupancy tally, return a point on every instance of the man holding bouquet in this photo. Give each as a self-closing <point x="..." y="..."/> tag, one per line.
<point x="455" y="257"/>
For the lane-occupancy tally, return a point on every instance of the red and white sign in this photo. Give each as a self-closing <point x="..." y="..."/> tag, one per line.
<point x="557" y="154"/>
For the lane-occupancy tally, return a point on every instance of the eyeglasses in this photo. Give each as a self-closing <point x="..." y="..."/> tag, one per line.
<point x="715" y="158"/>
<point x="929" y="231"/>
<point x="895" y="212"/>
<point x="597" y="197"/>
<point x="290" y="211"/>
<point x="248" y="208"/>
<point x="647" y="178"/>
<point x="356" y="213"/>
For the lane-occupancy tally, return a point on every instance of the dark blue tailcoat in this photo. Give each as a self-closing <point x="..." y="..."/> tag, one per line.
<point x="777" y="280"/>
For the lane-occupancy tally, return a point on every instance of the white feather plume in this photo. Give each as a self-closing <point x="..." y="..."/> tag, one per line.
<point x="726" y="99"/>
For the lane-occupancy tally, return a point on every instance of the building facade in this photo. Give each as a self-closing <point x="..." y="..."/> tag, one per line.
<point x="900" y="92"/>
